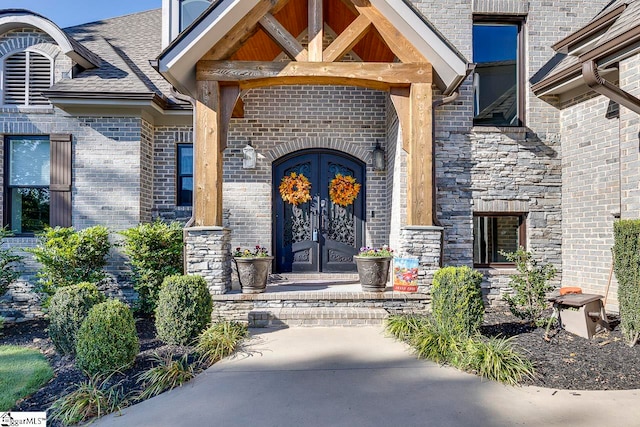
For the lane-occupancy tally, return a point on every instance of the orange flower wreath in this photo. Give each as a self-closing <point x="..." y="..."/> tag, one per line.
<point x="343" y="190"/>
<point x="295" y="189"/>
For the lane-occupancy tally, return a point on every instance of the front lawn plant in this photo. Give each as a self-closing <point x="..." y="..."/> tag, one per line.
<point x="626" y="258"/>
<point x="220" y="340"/>
<point x="69" y="257"/>
<point x="93" y="398"/>
<point x="68" y="308"/>
<point x="167" y="374"/>
<point x="155" y="252"/>
<point x="184" y="309"/>
<point x="107" y="340"/>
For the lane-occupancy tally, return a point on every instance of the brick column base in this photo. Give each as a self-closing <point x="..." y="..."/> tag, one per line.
<point x="208" y="254"/>
<point x="424" y="243"/>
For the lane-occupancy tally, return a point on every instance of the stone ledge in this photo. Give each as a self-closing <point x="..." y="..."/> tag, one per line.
<point x="321" y="296"/>
<point x="316" y="316"/>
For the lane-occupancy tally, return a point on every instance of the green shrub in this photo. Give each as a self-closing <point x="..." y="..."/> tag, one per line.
<point x="220" y="340"/>
<point x="626" y="258"/>
<point x="184" y="309"/>
<point x="155" y="252"/>
<point x="456" y="300"/>
<point x="497" y="360"/>
<point x="92" y="399"/>
<point x="166" y="375"/>
<point x="68" y="308"/>
<point x="530" y="286"/>
<point x="404" y="327"/>
<point x="107" y="340"/>
<point x="69" y="257"/>
<point x="8" y="263"/>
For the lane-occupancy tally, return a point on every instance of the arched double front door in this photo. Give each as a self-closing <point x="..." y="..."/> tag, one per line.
<point x="318" y="235"/>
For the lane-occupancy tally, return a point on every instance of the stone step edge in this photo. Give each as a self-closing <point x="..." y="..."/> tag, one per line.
<point x="321" y="296"/>
<point x="293" y="313"/>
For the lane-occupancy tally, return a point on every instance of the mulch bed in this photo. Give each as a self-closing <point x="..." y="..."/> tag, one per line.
<point x="568" y="361"/>
<point x="67" y="376"/>
<point x="565" y="361"/>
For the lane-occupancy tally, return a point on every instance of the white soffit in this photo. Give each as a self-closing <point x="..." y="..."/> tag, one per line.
<point x="24" y="19"/>
<point x="446" y="63"/>
<point x="178" y="64"/>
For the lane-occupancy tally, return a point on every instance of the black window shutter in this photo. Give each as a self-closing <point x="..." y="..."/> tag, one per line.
<point x="60" y="181"/>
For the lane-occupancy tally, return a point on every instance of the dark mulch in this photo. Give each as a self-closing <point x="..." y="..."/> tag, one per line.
<point x="565" y="361"/>
<point x="67" y="376"/>
<point x="568" y="361"/>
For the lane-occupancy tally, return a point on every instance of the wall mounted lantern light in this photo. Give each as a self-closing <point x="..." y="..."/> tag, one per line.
<point x="248" y="157"/>
<point x="378" y="158"/>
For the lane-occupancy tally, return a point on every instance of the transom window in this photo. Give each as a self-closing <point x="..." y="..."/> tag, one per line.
<point x="26" y="75"/>
<point x="28" y="166"/>
<point x="184" y="179"/>
<point x="190" y="10"/>
<point x="497" y="80"/>
<point x="495" y="233"/>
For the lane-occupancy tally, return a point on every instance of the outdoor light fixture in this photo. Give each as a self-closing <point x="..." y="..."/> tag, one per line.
<point x="378" y="158"/>
<point x="248" y="157"/>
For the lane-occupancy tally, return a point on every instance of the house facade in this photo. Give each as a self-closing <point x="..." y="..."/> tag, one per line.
<point x="450" y="118"/>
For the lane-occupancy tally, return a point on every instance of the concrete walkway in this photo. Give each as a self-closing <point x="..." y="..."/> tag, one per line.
<point x="358" y="377"/>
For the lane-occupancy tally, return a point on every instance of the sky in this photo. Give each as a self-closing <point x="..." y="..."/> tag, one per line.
<point x="67" y="13"/>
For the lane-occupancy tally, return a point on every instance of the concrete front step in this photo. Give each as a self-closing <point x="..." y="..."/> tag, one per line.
<point x="316" y="316"/>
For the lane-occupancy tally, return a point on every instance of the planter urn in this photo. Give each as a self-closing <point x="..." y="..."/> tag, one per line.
<point x="373" y="272"/>
<point x="253" y="273"/>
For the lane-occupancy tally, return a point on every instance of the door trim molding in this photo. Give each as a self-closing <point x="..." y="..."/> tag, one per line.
<point x="337" y="144"/>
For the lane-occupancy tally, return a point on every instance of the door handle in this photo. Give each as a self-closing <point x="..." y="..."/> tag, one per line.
<point x="315" y="236"/>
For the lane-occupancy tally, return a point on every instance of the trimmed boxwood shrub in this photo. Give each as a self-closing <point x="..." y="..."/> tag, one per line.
<point x="107" y="340"/>
<point x="626" y="258"/>
<point x="456" y="300"/>
<point x="69" y="257"/>
<point x="67" y="310"/>
<point x="184" y="309"/>
<point x="155" y="252"/>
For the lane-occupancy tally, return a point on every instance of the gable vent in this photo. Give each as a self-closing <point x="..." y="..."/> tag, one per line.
<point x="26" y="75"/>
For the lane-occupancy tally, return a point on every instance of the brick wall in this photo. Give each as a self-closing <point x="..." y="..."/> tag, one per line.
<point x="591" y="193"/>
<point x="281" y="120"/>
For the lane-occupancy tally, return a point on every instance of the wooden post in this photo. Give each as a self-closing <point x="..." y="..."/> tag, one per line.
<point x="316" y="30"/>
<point x="207" y="206"/>
<point x="420" y="158"/>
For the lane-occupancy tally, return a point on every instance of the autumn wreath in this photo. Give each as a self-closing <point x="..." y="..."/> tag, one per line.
<point x="295" y="189"/>
<point x="343" y="190"/>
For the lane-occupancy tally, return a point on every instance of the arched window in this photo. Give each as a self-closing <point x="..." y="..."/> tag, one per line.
<point x="26" y="74"/>
<point x="190" y="10"/>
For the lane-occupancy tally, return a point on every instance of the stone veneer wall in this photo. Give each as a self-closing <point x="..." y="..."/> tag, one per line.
<point x="502" y="169"/>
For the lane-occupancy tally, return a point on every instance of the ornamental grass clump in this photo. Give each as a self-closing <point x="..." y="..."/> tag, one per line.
<point x="68" y="308"/>
<point x="497" y="360"/>
<point x="626" y="258"/>
<point x="167" y="374"/>
<point x="92" y="399"/>
<point x="184" y="309"/>
<point x="107" y="340"/>
<point x="220" y="340"/>
<point x="405" y="327"/>
<point x="456" y="300"/>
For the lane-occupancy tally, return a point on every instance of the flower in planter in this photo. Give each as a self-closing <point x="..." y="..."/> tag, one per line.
<point x="257" y="252"/>
<point x="384" y="251"/>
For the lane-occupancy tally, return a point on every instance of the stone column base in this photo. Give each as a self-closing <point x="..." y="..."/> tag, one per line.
<point x="424" y="243"/>
<point x="208" y="254"/>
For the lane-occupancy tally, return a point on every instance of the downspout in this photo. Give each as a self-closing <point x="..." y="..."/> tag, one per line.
<point x="191" y="220"/>
<point x="603" y="87"/>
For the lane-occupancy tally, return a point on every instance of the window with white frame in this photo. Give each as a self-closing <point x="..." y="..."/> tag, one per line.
<point x="26" y="74"/>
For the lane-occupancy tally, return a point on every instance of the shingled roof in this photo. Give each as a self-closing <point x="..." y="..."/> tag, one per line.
<point x="124" y="46"/>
